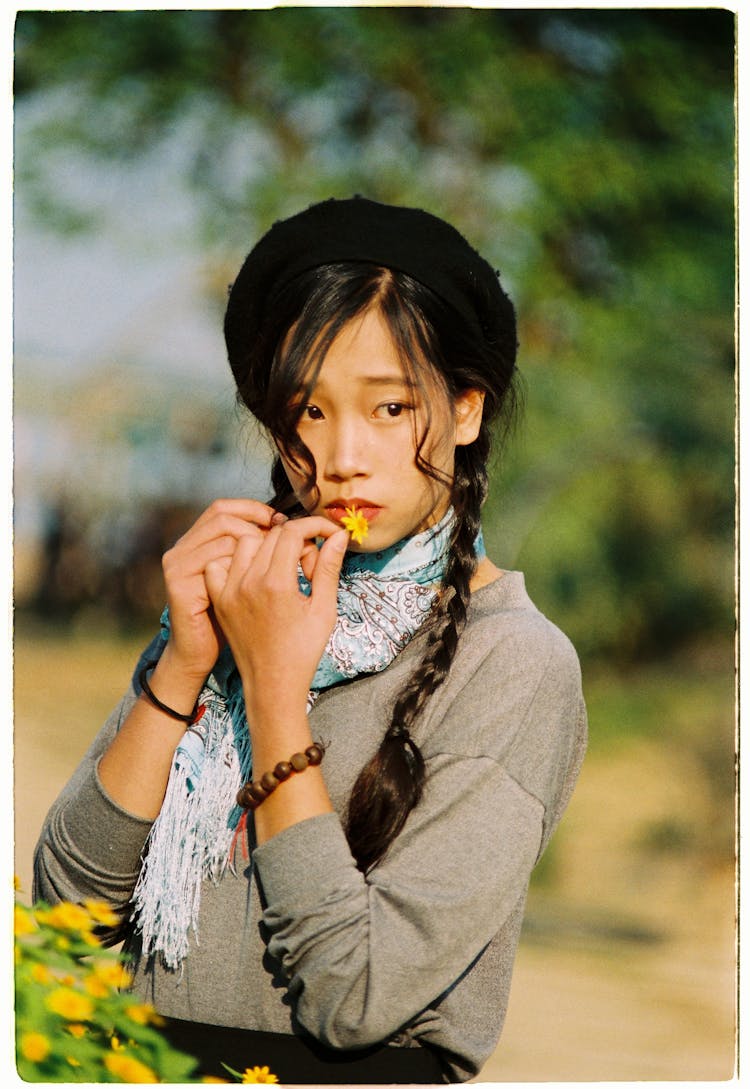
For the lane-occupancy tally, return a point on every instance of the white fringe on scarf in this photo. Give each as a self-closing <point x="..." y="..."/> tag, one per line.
<point x="192" y="837"/>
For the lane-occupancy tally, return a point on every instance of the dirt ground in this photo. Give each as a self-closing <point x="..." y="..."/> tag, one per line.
<point x="626" y="970"/>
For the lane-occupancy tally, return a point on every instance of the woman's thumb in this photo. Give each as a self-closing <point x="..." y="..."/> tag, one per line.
<point x="325" y="577"/>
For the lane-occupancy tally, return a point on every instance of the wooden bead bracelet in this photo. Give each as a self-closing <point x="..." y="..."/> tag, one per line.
<point x="252" y="793"/>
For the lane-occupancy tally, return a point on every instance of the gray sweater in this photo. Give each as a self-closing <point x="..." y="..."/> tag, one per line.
<point x="422" y="948"/>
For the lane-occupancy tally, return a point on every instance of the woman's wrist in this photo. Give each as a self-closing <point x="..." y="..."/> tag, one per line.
<point x="278" y="726"/>
<point x="175" y="684"/>
<point x="277" y="714"/>
<point x="256" y="791"/>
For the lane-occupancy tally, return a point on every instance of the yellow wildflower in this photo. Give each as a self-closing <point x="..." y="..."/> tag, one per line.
<point x="40" y="973"/>
<point x="77" y="1030"/>
<point x="66" y="916"/>
<point x="112" y="974"/>
<point x="355" y="522"/>
<point x="95" y="987"/>
<point x="101" y="912"/>
<point x="70" y="1004"/>
<point x="23" y="922"/>
<point x="34" y="1046"/>
<point x="259" y="1075"/>
<point x="128" y="1069"/>
<point x="143" y="1014"/>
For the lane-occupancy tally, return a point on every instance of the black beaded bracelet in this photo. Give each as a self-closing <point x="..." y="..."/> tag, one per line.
<point x="252" y="793"/>
<point x="146" y="688"/>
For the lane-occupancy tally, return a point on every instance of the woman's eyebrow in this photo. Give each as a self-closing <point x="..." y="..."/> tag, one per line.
<point x="376" y="381"/>
<point x="388" y="380"/>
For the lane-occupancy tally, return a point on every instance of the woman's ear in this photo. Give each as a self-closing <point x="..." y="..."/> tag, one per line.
<point x="468" y="407"/>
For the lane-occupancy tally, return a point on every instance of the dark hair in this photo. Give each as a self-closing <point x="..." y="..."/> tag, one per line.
<point x="282" y="363"/>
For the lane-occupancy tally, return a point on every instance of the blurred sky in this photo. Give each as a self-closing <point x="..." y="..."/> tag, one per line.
<point x="131" y="289"/>
<point x="115" y="323"/>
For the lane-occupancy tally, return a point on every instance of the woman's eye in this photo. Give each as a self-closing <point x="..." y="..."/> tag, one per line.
<point x="311" y="412"/>
<point x="391" y="410"/>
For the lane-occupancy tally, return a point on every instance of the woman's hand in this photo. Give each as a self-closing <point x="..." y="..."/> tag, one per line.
<point x="277" y="633"/>
<point x="135" y="768"/>
<point x="196" y="638"/>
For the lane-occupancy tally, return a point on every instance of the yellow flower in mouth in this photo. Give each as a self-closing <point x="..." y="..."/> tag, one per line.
<point x="259" y="1075"/>
<point x="355" y="522"/>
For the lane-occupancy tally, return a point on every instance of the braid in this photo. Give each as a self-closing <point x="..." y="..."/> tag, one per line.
<point x="284" y="498"/>
<point x="392" y="782"/>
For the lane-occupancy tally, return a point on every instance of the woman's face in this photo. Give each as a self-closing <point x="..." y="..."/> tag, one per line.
<point x="361" y="423"/>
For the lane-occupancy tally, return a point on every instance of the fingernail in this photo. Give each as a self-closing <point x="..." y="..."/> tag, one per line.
<point x="279" y="519"/>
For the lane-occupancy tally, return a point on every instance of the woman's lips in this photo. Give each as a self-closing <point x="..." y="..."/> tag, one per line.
<point x="337" y="510"/>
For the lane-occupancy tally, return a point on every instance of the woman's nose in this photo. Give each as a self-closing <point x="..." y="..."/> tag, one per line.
<point x="346" y="454"/>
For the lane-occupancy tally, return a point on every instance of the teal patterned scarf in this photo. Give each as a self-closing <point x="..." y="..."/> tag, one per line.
<point x="383" y="599"/>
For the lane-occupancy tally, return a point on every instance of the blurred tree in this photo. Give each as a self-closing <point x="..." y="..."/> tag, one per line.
<point x="589" y="154"/>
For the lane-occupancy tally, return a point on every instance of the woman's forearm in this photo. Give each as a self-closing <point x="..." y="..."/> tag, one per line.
<point x="135" y="768"/>
<point x="278" y="731"/>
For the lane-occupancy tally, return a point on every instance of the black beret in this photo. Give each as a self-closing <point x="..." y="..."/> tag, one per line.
<point x="357" y="229"/>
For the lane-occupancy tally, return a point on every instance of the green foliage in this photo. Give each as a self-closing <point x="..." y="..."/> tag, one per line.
<point x="74" y="1020"/>
<point x="589" y="154"/>
<point x="687" y="705"/>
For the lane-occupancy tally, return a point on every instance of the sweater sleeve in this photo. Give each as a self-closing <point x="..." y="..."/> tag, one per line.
<point x="90" y="847"/>
<point x="365" y="955"/>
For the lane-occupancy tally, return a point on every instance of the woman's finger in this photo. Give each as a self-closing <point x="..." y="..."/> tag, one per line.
<point x="220" y="525"/>
<point x="312" y="526"/>
<point x="308" y="559"/>
<point x="187" y="563"/>
<point x="249" y="553"/>
<point x="216" y="574"/>
<point x="264" y="557"/>
<point x="248" y="510"/>
<point x="225" y="518"/>
<point x="325" y="578"/>
<point x="287" y="546"/>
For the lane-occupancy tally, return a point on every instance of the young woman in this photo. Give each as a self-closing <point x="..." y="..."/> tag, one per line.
<point x="318" y="807"/>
